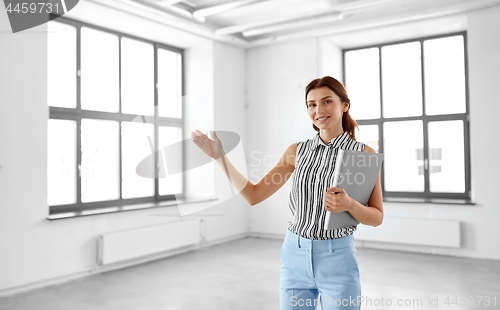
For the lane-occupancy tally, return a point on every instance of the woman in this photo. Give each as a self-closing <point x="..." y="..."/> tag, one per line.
<point x="313" y="260"/>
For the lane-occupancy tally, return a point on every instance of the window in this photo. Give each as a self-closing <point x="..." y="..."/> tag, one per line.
<point x="411" y="103"/>
<point x="113" y="100"/>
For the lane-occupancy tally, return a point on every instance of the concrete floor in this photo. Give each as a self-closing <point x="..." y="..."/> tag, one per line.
<point x="244" y="274"/>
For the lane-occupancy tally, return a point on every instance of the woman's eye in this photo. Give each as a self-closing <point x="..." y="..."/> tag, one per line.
<point x="328" y="101"/>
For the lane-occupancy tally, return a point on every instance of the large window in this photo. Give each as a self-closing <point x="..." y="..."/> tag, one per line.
<point x="410" y="100"/>
<point x="114" y="100"/>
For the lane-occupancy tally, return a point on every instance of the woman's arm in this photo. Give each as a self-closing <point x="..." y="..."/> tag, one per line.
<point x="274" y="180"/>
<point x="253" y="193"/>
<point x="372" y="214"/>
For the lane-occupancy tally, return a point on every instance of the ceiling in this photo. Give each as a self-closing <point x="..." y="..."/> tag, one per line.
<point x="255" y="22"/>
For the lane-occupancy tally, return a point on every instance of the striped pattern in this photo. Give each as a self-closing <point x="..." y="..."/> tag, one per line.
<point x="313" y="174"/>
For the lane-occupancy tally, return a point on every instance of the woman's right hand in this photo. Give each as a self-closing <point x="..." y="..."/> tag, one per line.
<point x="212" y="148"/>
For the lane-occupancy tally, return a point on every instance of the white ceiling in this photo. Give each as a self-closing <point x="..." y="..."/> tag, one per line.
<point x="256" y="22"/>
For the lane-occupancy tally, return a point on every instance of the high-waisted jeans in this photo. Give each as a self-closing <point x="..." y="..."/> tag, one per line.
<point x="326" y="267"/>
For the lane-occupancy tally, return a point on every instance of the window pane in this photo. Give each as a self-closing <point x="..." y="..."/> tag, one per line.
<point x="446" y="156"/>
<point x="61" y="165"/>
<point x="61" y="65"/>
<point x="99" y="168"/>
<point x="99" y="71"/>
<point x="401" y="80"/>
<point x="169" y="84"/>
<point x="137" y="77"/>
<point x="368" y="134"/>
<point x="403" y="159"/>
<point x="136" y="139"/>
<point x="444" y="76"/>
<point x="168" y="136"/>
<point x="363" y="83"/>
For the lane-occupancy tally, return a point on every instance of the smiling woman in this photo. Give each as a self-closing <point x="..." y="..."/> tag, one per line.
<point x="314" y="260"/>
<point x="329" y="255"/>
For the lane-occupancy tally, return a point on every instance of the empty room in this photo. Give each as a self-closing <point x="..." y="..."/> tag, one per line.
<point x="249" y="154"/>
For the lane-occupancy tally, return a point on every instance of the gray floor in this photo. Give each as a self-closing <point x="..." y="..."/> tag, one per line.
<point x="244" y="274"/>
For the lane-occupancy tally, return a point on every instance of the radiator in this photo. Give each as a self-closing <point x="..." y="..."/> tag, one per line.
<point x="430" y="232"/>
<point x="138" y="242"/>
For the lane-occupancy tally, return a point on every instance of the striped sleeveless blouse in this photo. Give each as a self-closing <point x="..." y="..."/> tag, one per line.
<point x="313" y="174"/>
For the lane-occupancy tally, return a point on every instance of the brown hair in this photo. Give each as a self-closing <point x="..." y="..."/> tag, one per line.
<point x="348" y="124"/>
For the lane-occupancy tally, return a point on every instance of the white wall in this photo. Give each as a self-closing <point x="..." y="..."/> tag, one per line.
<point x="277" y="75"/>
<point x="35" y="251"/>
<point x="329" y="59"/>
<point x="484" y="72"/>
<point x="198" y="103"/>
<point x="229" y="111"/>
<point x="276" y="117"/>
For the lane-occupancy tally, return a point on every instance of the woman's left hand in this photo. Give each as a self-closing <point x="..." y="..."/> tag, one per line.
<point x="337" y="202"/>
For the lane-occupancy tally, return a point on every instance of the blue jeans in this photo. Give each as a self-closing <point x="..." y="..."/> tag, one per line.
<point x="328" y="267"/>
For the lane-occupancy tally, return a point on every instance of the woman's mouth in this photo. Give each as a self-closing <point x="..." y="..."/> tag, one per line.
<point x="323" y="119"/>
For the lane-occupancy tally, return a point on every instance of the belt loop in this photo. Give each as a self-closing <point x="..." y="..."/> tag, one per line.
<point x="298" y="241"/>
<point x="330" y="245"/>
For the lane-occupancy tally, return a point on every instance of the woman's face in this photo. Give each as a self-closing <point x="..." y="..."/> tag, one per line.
<point x="323" y="102"/>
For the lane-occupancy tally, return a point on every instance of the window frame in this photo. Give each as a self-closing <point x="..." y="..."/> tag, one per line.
<point x="77" y="114"/>
<point x="426" y="196"/>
